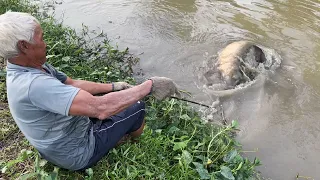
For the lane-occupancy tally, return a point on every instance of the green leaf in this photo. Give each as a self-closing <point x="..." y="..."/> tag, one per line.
<point x="27" y="176"/>
<point x="4" y="169"/>
<point x="201" y="157"/>
<point x="158" y="131"/>
<point x="230" y="156"/>
<point x="50" y="56"/>
<point x="256" y="162"/>
<point x="227" y="173"/>
<point x="89" y="172"/>
<point x="114" y="151"/>
<point x="185" y="117"/>
<point x="180" y="145"/>
<point x="126" y="152"/>
<point x="234" y="124"/>
<point x="43" y="162"/>
<point x="186" y="157"/>
<point x="239" y="166"/>
<point x="66" y="58"/>
<point x="173" y="129"/>
<point x="54" y="173"/>
<point x="199" y="145"/>
<point x="148" y="173"/>
<point x="24" y="154"/>
<point x="64" y="65"/>
<point x="3" y="74"/>
<point x="204" y="174"/>
<point x="11" y="163"/>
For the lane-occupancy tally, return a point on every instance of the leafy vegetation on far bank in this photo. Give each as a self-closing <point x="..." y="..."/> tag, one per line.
<point x="176" y="144"/>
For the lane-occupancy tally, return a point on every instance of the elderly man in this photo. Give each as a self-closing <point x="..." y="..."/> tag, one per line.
<point x="60" y="116"/>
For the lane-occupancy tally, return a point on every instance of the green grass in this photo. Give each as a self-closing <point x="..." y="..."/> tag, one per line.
<point x="176" y="143"/>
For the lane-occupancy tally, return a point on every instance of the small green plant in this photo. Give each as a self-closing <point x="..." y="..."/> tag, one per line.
<point x="3" y="92"/>
<point x="38" y="172"/>
<point x="25" y="154"/>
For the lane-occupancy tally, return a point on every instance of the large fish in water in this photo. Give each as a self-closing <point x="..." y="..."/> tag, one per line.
<point x="237" y="63"/>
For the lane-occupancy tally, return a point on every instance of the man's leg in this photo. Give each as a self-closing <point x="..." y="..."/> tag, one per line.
<point x="138" y="132"/>
<point x="132" y="136"/>
<point x="109" y="132"/>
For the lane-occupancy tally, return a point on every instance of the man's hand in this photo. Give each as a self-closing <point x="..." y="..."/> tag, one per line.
<point x="163" y="87"/>
<point x="118" y="86"/>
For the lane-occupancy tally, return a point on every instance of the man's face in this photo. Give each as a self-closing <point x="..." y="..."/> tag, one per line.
<point x="37" y="50"/>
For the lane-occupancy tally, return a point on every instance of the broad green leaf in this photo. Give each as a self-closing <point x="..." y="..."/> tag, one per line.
<point x="173" y="129"/>
<point x="230" y="156"/>
<point x="180" y="145"/>
<point x="158" y="131"/>
<point x="204" y="174"/>
<point x="186" y="157"/>
<point x="148" y="173"/>
<point x="238" y="159"/>
<point x="185" y="117"/>
<point x="201" y="157"/>
<point x="226" y="172"/>
<point x="43" y="162"/>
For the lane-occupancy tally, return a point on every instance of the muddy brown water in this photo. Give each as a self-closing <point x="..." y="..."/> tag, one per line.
<point x="279" y="117"/>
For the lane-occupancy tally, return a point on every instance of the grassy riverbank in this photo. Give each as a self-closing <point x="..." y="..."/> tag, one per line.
<point x="176" y="144"/>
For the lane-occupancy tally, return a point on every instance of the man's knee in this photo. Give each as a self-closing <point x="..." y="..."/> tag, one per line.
<point x="141" y="109"/>
<point x="141" y="104"/>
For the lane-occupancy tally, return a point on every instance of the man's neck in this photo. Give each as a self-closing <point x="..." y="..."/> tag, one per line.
<point x="25" y="62"/>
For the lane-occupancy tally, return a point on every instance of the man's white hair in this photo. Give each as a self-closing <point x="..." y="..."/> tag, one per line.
<point x="15" y="26"/>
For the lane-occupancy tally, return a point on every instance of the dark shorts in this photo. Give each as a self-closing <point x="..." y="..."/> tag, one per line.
<point x="109" y="132"/>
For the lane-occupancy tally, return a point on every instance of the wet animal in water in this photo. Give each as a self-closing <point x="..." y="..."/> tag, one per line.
<point x="237" y="63"/>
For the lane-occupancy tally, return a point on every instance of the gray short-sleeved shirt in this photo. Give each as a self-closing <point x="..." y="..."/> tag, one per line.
<point x="39" y="103"/>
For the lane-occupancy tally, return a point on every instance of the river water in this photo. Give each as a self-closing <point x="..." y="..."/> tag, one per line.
<point x="279" y="117"/>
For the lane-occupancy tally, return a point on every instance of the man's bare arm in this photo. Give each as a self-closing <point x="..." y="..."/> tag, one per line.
<point x="102" y="107"/>
<point x="91" y="87"/>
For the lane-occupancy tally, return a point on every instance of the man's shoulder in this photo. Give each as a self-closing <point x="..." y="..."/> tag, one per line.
<point x="26" y="77"/>
<point x="19" y="84"/>
<point x="23" y="81"/>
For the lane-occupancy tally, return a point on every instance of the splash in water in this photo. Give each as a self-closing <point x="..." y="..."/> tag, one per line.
<point x="236" y="68"/>
<point x="239" y="66"/>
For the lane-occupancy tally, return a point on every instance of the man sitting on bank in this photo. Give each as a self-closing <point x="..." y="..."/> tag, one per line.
<point x="60" y="116"/>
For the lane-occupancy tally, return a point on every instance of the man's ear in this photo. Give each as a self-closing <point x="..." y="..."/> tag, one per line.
<point x="23" y="46"/>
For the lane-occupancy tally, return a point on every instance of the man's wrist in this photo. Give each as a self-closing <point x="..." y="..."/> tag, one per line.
<point x="112" y="87"/>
